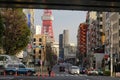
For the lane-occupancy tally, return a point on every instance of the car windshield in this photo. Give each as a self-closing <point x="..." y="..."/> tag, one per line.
<point x="82" y="68"/>
<point x="74" y="67"/>
<point x="21" y="66"/>
<point x="10" y="66"/>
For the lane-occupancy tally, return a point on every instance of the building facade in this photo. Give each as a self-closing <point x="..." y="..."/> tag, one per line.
<point x="112" y="33"/>
<point x="61" y="50"/>
<point x="38" y="29"/>
<point x="95" y="38"/>
<point x="70" y="53"/>
<point x="65" y="38"/>
<point x="39" y="49"/>
<point x="82" y="42"/>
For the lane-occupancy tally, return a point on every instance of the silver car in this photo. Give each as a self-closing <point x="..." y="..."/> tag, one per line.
<point x="74" y="70"/>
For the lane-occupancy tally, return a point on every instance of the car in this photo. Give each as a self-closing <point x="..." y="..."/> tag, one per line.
<point x="2" y="69"/>
<point x="61" y="69"/>
<point x="92" y="72"/>
<point x="20" y="68"/>
<point x="82" y="70"/>
<point x="100" y="72"/>
<point x="74" y="70"/>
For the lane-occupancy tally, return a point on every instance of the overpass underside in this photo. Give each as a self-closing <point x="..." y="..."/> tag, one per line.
<point x="86" y="5"/>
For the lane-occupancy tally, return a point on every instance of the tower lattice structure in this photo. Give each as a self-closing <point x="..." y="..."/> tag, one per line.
<point x="47" y="28"/>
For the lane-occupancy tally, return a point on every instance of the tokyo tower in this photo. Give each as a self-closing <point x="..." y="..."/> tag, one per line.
<point x="47" y="29"/>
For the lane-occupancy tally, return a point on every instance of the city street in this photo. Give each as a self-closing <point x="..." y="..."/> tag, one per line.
<point x="58" y="76"/>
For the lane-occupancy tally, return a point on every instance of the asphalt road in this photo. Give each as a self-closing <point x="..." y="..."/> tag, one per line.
<point x="59" y="76"/>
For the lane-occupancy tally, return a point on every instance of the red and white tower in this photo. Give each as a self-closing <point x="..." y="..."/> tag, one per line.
<point x="47" y="29"/>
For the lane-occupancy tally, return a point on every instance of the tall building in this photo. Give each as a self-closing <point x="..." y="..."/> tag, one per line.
<point x="65" y="38"/>
<point x="112" y="33"/>
<point x="61" y="50"/>
<point x="47" y="27"/>
<point x="38" y="29"/>
<point x="82" y="42"/>
<point x="91" y="32"/>
<point x="95" y="38"/>
<point x="63" y="43"/>
<point x="99" y="30"/>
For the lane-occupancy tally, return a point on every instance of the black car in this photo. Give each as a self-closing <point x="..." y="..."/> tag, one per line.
<point x="62" y="69"/>
<point x="2" y="69"/>
<point x="82" y="70"/>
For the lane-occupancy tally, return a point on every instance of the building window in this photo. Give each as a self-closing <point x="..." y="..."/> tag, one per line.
<point x="40" y="51"/>
<point x="119" y="43"/>
<point x="34" y="43"/>
<point x="40" y="44"/>
<point x="39" y="56"/>
<point x="119" y="32"/>
<point x="115" y="36"/>
<point x="119" y="21"/>
<point x="100" y="18"/>
<point x="100" y="26"/>
<point x="34" y="51"/>
<point x="34" y="39"/>
<point x="40" y="40"/>
<point x="107" y="15"/>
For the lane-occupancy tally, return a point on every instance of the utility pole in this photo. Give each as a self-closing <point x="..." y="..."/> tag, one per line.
<point x="111" y="55"/>
<point x="111" y="62"/>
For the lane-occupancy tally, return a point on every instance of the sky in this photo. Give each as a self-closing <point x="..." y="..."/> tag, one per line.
<point x="63" y="19"/>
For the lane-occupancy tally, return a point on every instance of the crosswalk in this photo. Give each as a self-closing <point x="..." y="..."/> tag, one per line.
<point x="68" y="75"/>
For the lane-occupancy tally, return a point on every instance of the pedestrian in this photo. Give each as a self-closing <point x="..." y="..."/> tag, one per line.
<point x="49" y="71"/>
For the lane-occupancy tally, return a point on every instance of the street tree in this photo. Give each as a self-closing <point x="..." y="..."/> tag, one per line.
<point x="16" y="32"/>
<point x="50" y="55"/>
<point x="1" y="31"/>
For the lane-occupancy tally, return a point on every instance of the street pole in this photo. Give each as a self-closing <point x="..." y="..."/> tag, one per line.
<point x="111" y="62"/>
<point x="41" y="66"/>
<point x="111" y="55"/>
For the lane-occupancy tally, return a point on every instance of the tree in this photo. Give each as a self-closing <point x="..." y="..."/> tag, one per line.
<point x="1" y="30"/>
<point x="50" y="55"/>
<point x="16" y="32"/>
